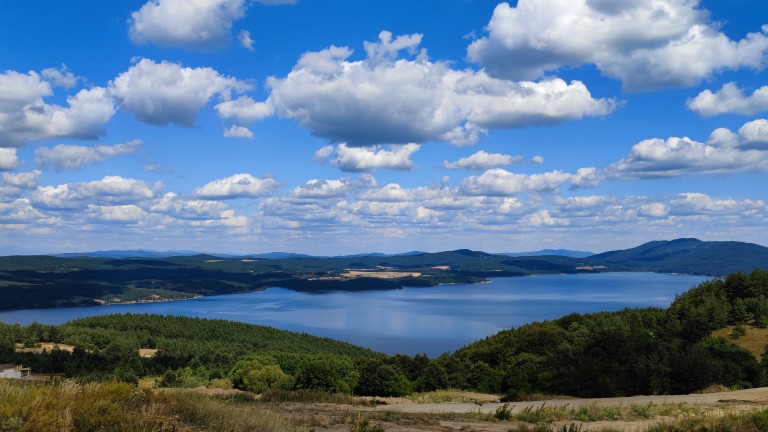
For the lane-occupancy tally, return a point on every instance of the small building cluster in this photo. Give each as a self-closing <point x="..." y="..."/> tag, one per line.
<point x="14" y="371"/>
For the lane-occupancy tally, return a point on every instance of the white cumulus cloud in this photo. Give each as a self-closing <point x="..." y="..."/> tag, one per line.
<point x="366" y="159"/>
<point x="22" y="180"/>
<point x="236" y="131"/>
<point x="243" y="110"/>
<point x="674" y="156"/>
<point x="25" y="116"/>
<point x="395" y="98"/>
<point x="244" y="37"/>
<point x="500" y="182"/>
<point x="192" y="24"/>
<point x="8" y="159"/>
<point x="647" y="44"/>
<point x="73" y="157"/>
<point x="111" y="190"/>
<point x="730" y="99"/>
<point x="61" y="77"/>
<point x="237" y="186"/>
<point x="163" y="93"/>
<point x="332" y="188"/>
<point x="482" y="161"/>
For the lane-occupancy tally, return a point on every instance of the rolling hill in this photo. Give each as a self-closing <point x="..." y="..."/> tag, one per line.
<point x="689" y="255"/>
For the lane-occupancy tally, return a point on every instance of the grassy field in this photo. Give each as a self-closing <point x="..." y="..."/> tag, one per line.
<point x="754" y="339"/>
<point x="69" y="406"/>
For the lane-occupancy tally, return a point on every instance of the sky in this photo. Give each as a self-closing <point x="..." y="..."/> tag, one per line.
<point x="343" y="126"/>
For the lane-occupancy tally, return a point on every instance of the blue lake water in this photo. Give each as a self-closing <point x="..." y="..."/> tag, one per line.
<point x="411" y="320"/>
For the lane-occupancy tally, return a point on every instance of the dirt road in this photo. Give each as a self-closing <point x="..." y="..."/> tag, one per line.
<point x="406" y="416"/>
<point x="750" y="396"/>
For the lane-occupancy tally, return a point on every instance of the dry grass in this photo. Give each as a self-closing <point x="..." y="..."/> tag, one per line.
<point x="147" y="352"/>
<point x="379" y="274"/>
<point x="45" y="346"/>
<point x="754" y="340"/>
<point x="453" y="396"/>
<point x="69" y="406"/>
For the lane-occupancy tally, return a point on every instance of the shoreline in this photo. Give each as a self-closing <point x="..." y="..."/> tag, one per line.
<point x="198" y="296"/>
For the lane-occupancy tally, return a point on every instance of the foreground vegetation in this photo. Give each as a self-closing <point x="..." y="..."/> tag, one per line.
<point x="69" y="406"/>
<point x="65" y="405"/>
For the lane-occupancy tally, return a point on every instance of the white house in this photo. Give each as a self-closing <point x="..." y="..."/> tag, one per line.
<point x="14" y="371"/>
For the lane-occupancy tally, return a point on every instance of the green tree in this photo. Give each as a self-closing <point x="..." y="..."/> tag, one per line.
<point x="433" y="378"/>
<point x="259" y="374"/>
<point x="380" y="379"/>
<point x="317" y="376"/>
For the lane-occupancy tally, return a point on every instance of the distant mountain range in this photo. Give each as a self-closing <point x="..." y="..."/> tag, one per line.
<point x="144" y="253"/>
<point x="689" y="255"/>
<point x="125" y="276"/>
<point x="555" y="252"/>
<point x="684" y="255"/>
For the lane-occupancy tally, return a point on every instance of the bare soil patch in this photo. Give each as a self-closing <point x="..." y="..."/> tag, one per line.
<point x="402" y="415"/>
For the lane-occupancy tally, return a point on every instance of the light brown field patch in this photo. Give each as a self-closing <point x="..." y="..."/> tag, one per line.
<point x="379" y="274"/>
<point x="754" y="340"/>
<point x="45" y="346"/>
<point x="147" y="352"/>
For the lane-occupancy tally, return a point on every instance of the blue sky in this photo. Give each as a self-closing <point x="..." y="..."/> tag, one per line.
<point x="341" y="127"/>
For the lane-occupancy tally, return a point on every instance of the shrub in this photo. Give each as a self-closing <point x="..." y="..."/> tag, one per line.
<point x="365" y="425"/>
<point x="503" y="412"/>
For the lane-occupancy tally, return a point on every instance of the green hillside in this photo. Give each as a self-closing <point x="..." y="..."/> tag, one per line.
<point x="690" y="256"/>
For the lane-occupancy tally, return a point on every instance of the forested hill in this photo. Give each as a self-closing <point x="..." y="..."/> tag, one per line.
<point x="637" y="351"/>
<point x="688" y="255"/>
<point x="45" y="281"/>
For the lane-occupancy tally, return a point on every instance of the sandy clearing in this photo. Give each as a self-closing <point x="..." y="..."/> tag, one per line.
<point x="749" y="396"/>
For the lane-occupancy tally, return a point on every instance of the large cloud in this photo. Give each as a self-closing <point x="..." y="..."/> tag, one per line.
<point x="386" y="99"/>
<point x="725" y="152"/>
<point x="647" y="44"/>
<point x="195" y="24"/>
<point x="72" y="157"/>
<point x="111" y="190"/>
<point x="163" y="93"/>
<point x="482" y="161"/>
<point x="237" y="186"/>
<point x="729" y="99"/>
<point x="25" y="116"/>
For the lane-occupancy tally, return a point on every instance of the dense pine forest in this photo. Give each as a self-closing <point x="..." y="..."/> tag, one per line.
<point x="634" y="351"/>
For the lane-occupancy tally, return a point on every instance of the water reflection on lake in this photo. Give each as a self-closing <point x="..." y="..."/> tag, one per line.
<point x="411" y="320"/>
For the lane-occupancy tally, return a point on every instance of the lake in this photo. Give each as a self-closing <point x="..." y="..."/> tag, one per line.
<point x="411" y="320"/>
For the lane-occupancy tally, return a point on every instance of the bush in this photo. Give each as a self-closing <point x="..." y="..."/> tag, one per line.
<point x="258" y="375"/>
<point x="380" y="379"/>
<point x="503" y="412"/>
